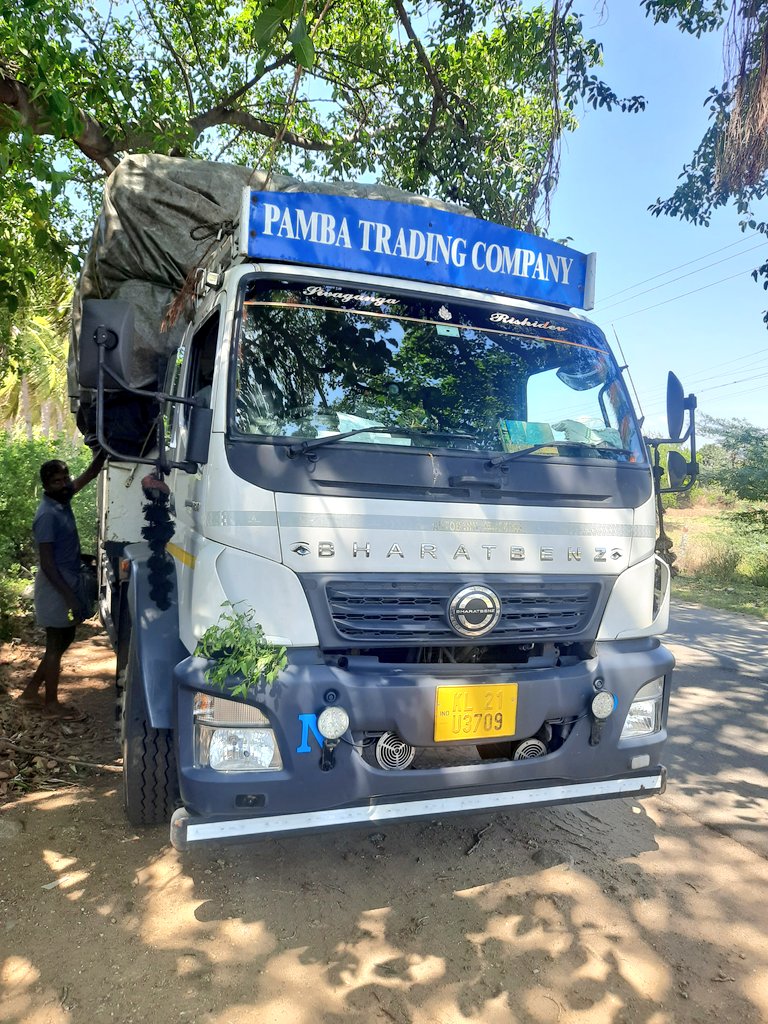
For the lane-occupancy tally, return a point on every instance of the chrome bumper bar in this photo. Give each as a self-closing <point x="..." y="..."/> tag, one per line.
<point x="187" y="829"/>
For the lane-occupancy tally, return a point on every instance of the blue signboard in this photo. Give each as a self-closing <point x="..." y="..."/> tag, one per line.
<point x="373" y="236"/>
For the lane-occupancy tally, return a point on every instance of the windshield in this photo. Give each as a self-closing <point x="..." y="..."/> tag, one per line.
<point x="315" y="362"/>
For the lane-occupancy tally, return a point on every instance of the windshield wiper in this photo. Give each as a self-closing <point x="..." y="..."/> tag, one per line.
<point x="502" y="460"/>
<point x="321" y="442"/>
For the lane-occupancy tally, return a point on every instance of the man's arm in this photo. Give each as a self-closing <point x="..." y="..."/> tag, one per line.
<point x="48" y="566"/>
<point x="91" y="472"/>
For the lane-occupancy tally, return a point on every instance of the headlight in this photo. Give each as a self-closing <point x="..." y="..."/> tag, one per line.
<point x="233" y="737"/>
<point x="644" y="716"/>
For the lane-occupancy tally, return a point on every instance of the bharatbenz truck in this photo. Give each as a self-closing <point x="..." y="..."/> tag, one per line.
<point x="390" y="436"/>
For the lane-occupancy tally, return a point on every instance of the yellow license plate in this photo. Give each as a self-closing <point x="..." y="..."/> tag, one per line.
<point x="475" y="712"/>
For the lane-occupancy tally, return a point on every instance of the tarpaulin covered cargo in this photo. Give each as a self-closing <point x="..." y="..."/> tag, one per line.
<point x="160" y="218"/>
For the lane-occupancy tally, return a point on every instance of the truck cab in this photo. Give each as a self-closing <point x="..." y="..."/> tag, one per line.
<point x="431" y="491"/>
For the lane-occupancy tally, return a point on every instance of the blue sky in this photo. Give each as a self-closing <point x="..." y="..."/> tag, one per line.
<point x="612" y="168"/>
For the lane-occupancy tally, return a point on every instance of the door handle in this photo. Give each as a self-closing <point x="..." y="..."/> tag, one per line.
<point x="194" y="505"/>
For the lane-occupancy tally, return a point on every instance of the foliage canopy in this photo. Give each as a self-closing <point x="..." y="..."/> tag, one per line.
<point x="465" y="100"/>
<point x="738" y="457"/>
<point x="730" y="164"/>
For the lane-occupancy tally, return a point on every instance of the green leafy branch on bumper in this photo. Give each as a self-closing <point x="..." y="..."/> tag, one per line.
<point x="237" y="646"/>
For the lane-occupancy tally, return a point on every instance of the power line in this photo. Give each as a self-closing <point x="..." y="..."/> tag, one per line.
<point x="682" y="276"/>
<point x="695" y="380"/>
<point x="758" y="365"/>
<point x="730" y="383"/>
<point x="664" y="273"/>
<point x="746" y="391"/>
<point x="675" y="297"/>
<point x="659" y="404"/>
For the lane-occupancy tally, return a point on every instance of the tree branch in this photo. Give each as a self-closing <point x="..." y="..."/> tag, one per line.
<point x="442" y="95"/>
<point x="17" y="106"/>
<point x="426" y="63"/>
<point x="233" y="97"/>
<point x="242" y="119"/>
<point x="175" y="54"/>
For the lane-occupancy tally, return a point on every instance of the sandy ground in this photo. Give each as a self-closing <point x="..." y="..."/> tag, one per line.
<point x="617" y="912"/>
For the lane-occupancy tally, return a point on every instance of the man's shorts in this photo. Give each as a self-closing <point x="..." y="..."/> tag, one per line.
<point x="58" y="638"/>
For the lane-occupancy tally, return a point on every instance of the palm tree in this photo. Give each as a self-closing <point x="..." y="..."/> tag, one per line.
<point x="33" y="387"/>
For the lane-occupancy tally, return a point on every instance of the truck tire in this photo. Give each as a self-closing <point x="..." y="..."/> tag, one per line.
<point x="150" y="783"/>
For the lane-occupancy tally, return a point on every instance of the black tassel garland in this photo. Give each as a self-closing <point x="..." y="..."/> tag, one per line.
<point x="157" y="532"/>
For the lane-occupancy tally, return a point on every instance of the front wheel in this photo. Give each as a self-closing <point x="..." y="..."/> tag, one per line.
<point x="150" y="783"/>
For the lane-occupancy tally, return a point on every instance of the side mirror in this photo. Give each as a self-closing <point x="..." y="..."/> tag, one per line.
<point x="675" y="407"/>
<point x="199" y="435"/>
<point x="106" y="324"/>
<point x="677" y="470"/>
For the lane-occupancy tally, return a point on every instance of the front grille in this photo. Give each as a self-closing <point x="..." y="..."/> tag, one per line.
<point x="416" y="611"/>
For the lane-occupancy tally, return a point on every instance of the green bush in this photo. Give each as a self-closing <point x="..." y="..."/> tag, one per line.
<point x="757" y="571"/>
<point x="20" y="493"/>
<point x="16" y="600"/>
<point x="713" y="561"/>
<point x="712" y="495"/>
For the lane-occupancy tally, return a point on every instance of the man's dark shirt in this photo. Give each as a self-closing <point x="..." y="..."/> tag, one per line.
<point x="54" y="524"/>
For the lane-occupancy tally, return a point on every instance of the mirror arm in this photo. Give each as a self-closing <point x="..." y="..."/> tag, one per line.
<point x="159" y="396"/>
<point x="691" y="405"/>
<point x="693" y="469"/>
<point x="161" y="463"/>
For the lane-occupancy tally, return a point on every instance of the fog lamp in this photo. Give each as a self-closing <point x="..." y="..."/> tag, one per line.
<point x="644" y="715"/>
<point x="603" y="705"/>
<point x="332" y="723"/>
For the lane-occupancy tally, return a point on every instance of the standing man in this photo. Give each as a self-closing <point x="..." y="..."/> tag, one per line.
<point x="59" y="599"/>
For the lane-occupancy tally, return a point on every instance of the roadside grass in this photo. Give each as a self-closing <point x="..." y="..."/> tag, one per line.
<point x="722" y="563"/>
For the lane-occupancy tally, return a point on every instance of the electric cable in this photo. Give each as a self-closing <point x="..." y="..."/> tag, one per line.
<point x="682" y="296"/>
<point x="681" y="277"/>
<point x="659" y="404"/>
<point x="671" y="270"/>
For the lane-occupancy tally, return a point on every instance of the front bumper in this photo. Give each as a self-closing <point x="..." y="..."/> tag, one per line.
<point x="302" y="797"/>
<point x="187" y="829"/>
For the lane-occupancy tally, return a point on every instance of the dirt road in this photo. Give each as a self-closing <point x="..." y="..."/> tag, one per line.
<point x="605" y="913"/>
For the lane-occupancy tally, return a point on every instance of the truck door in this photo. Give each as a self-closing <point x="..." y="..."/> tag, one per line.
<point x="197" y="379"/>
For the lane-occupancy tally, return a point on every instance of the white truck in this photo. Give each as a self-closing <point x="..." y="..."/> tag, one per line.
<point x="392" y="438"/>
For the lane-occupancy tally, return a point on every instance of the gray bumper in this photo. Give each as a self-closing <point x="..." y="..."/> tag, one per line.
<point x="187" y="830"/>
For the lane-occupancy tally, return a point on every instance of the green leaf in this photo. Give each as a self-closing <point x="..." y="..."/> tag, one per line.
<point x="301" y="43"/>
<point x="267" y="23"/>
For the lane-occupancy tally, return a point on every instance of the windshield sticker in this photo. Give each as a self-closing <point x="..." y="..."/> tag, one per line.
<point x="528" y="340"/>
<point x="362" y="298"/>
<point x="513" y="321"/>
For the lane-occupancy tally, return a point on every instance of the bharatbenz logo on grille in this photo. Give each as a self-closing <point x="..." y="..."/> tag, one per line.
<point x="372" y="236"/>
<point x="474" y="611"/>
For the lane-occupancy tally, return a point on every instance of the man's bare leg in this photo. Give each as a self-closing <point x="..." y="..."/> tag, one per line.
<point x="49" y="672"/>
